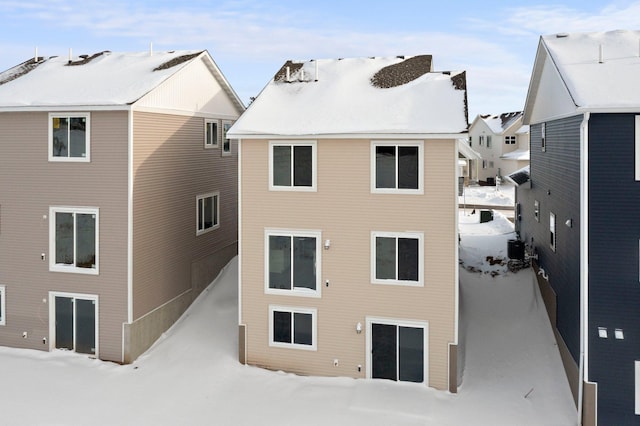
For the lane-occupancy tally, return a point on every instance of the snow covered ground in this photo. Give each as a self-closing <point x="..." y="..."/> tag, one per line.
<point x="499" y="196"/>
<point x="513" y="374"/>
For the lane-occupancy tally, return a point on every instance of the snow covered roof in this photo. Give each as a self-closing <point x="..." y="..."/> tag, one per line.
<point x="518" y="154"/>
<point x="103" y="79"/>
<point x="500" y="123"/>
<point x="392" y="95"/>
<point x="600" y="69"/>
<point x="523" y="130"/>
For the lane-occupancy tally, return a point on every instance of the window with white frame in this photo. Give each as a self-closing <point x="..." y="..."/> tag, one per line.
<point x="552" y="231"/>
<point x="73" y="239"/>
<point x="536" y="210"/>
<point x="397" y="258"/>
<point x="481" y="140"/>
<point x="226" y="142"/>
<point x="543" y="136"/>
<point x="292" y="166"/>
<point x="292" y="262"/>
<point x="211" y="133"/>
<point x="470" y="140"/>
<point x="207" y="212"/>
<point x="488" y="141"/>
<point x="510" y="140"/>
<point x="484" y="164"/>
<point x="397" y="167"/>
<point x="293" y="327"/>
<point x="69" y="137"/>
<point x="3" y="305"/>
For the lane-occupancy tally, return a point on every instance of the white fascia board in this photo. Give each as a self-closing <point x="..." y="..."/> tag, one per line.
<point x="382" y="136"/>
<point x="53" y="108"/>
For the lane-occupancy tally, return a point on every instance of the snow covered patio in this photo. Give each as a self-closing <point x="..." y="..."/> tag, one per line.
<point x="513" y="374"/>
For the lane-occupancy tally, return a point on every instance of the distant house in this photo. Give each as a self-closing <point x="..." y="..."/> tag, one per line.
<point x="348" y="220"/>
<point x="580" y="214"/>
<point x="118" y="197"/>
<point x="502" y="142"/>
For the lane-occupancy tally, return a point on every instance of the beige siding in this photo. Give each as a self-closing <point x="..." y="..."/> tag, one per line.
<point x="170" y="168"/>
<point x="29" y="185"/>
<point x="346" y="212"/>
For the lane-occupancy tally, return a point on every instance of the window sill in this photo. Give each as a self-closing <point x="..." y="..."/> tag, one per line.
<point x="73" y="269"/>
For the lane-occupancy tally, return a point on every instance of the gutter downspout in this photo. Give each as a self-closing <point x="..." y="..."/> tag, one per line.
<point x="584" y="261"/>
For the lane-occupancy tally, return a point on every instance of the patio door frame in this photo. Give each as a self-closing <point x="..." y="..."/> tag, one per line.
<point x="398" y="323"/>
<point x="52" y="319"/>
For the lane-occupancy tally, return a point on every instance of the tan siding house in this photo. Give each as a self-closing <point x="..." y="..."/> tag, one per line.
<point x="348" y="220"/>
<point x="119" y="204"/>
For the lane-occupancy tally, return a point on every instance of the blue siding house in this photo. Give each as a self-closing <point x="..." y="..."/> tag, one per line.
<point x="579" y="213"/>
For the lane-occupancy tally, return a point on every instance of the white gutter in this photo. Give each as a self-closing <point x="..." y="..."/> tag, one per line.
<point x="584" y="262"/>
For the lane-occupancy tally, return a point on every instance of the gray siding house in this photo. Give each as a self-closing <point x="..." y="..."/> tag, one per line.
<point x="579" y="213"/>
<point x="118" y="197"/>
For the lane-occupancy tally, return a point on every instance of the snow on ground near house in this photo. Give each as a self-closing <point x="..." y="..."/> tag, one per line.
<point x="499" y="196"/>
<point x="513" y="373"/>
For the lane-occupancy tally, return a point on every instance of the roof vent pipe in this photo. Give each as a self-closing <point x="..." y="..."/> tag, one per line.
<point x="316" y="70"/>
<point x="151" y="49"/>
<point x="35" y="58"/>
<point x="600" y="55"/>
<point x="301" y="74"/>
<point x="70" y="55"/>
<point x="288" y="75"/>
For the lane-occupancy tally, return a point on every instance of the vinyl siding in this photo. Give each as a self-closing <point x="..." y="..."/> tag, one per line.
<point x="614" y="291"/>
<point x="555" y="183"/>
<point x="29" y="185"/>
<point x="346" y="212"/>
<point x="170" y="168"/>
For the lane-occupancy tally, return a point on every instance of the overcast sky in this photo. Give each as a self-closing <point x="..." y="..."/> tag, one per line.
<point x="494" y="41"/>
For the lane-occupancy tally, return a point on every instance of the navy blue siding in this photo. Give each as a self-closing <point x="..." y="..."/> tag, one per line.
<point x="614" y="287"/>
<point x="555" y="183"/>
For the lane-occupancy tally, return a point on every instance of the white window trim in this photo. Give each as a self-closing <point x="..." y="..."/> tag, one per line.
<point x="52" y="317"/>
<point x="637" y="147"/>
<point x="54" y="267"/>
<point x="420" y="190"/>
<point x="416" y="235"/>
<point x="3" y="305"/>
<point x="207" y="121"/>
<point x="314" y="165"/>
<point x="314" y="327"/>
<point x="215" y="194"/>
<point x="489" y="141"/>
<point x="553" y="229"/>
<point x="87" y="157"/>
<point x="401" y="323"/>
<point x="305" y="292"/>
<point x="224" y="130"/>
<point x="543" y="139"/>
<point x="637" y="386"/>
<point x="536" y="210"/>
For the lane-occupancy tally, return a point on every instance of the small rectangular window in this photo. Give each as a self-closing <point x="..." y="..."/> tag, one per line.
<point x="484" y="164"/>
<point x="292" y="327"/>
<point x="292" y="262"/>
<point x="69" y="137"/>
<point x="470" y="140"/>
<point x="397" y="167"/>
<point x="226" y="142"/>
<point x="510" y="140"/>
<point x="488" y="141"/>
<point x="211" y="133"/>
<point x="481" y="140"/>
<point x="73" y="240"/>
<point x="292" y="166"/>
<point x="3" y="305"/>
<point x="543" y="136"/>
<point x="207" y="212"/>
<point x="552" y="231"/>
<point x="536" y="210"/>
<point x="397" y="258"/>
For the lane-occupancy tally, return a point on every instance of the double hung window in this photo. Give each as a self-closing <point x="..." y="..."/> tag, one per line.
<point x="211" y="133"/>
